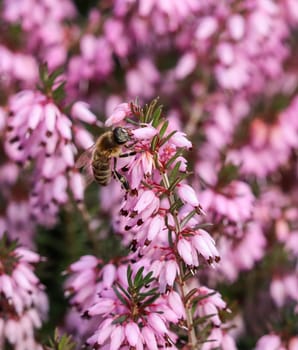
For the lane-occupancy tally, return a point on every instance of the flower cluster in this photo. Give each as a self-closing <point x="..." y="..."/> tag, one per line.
<point x="209" y="192"/>
<point x="37" y="129"/>
<point x="159" y="219"/>
<point x="23" y="302"/>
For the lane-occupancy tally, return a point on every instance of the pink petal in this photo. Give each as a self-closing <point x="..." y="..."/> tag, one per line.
<point x="51" y="113"/>
<point x="77" y="186"/>
<point x="80" y="110"/>
<point x="179" y="139"/>
<point x="187" y="194"/>
<point x="185" y="251"/>
<point x="157" y="324"/>
<point x="108" y="275"/>
<point x="117" y="337"/>
<point x="149" y="338"/>
<point x="146" y="198"/>
<point x="145" y="133"/>
<point x="102" y="306"/>
<point x="132" y="333"/>
<point x="85" y="262"/>
<point x="176" y="304"/>
<point x="171" y="270"/>
<point x="155" y="226"/>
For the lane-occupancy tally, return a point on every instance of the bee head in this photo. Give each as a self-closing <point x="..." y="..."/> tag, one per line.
<point x="120" y="135"/>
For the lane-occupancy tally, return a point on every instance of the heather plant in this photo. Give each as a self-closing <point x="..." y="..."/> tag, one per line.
<point x="148" y="291"/>
<point x="193" y="243"/>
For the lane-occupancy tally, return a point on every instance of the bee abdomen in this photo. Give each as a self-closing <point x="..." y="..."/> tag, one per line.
<point x="102" y="172"/>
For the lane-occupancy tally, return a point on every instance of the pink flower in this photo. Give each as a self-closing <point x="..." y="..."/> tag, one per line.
<point x="167" y="275"/>
<point x="132" y="333"/>
<point x="149" y="338"/>
<point x="235" y="201"/>
<point x="80" y="110"/>
<point x="38" y="130"/>
<point x="188" y="195"/>
<point x="269" y="342"/>
<point x="236" y="26"/>
<point x="155" y="227"/>
<point x="120" y="112"/>
<point x="207" y="27"/>
<point x="179" y="140"/>
<point x="156" y="322"/>
<point x="81" y="284"/>
<point x="205" y="245"/>
<point x="130" y="330"/>
<point x="147" y="132"/>
<point x="219" y="338"/>
<point x="23" y="300"/>
<point x="210" y="305"/>
<point x="117" y="338"/>
<point x="186" y="65"/>
<point x="185" y="250"/>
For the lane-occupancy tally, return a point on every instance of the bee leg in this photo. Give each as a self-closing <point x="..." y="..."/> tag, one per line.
<point x="123" y="155"/>
<point x="122" y="179"/>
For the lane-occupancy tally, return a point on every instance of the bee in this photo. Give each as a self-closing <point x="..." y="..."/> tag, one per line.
<point x="99" y="156"/>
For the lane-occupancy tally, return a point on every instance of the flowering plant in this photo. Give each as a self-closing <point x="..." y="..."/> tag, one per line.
<point x="192" y="218"/>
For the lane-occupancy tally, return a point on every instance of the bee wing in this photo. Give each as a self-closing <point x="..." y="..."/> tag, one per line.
<point x="88" y="175"/>
<point x="84" y="161"/>
<point x="85" y="158"/>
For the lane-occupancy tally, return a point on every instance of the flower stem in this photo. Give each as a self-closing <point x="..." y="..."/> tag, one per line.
<point x="192" y="339"/>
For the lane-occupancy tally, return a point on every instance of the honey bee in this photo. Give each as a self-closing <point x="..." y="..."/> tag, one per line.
<point x="99" y="156"/>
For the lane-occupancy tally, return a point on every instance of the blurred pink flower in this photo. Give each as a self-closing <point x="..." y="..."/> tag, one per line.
<point x="269" y="342"/>
<point x="243" y="253"/>
<point x="210" y="305"/>
<point x="219" y="338"/>
<point x="235" y="201"/>
<point x="23" y="304"/>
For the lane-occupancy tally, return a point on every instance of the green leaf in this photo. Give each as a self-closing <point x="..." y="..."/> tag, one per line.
<point x="59" y="93"/>
<point x="166" y="139"/>
<point x="187" y="218"/>
<point x="202" y="226"/>
<point x="148" y="278"/>
<point x="163" y="129"/>
<point x="180" y="178"/>
<point x="151" y="300"/>
<point x="176" y="205"/>
<point x="120" y="319"/>
<point x="149" y="110"/>
<point x="120" y="296"/>
<point x="124" y="291"/>
<point x="138" y="277"/>
<point x="190" y="294"/>
<point x="174" y="172"/>
<point x="203" y="319"/>
<point x="64" y="342"/>
<point x="172" y="160"/>
<point x="154" y="142"/>
<point x="129" y="276"/>
<point x="130" y="121"/>
<point x="156" y="118"/>
<point x="152" y="291"/>
<point x="57" y="72"/>
<point x="43" y="72"/>
<point x="202" y="297"/>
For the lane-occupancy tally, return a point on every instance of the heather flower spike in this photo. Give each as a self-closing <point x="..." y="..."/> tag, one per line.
<point x="160" y="215"/>
<point x="203" y="195"/>
<point x="23" y="302"/>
